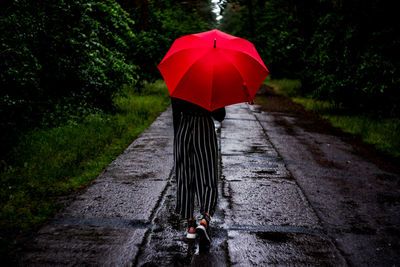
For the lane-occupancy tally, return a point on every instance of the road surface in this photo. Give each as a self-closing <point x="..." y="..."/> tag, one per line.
<point x="287" y="196"/>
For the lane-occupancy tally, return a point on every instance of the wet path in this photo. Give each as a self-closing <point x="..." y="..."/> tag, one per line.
<point x="265" y="215"/>
<point x="356" y="200"/>
<point x="105" y="225"/>
<point x="269" y="219"/>
<point x="262" y="216"/>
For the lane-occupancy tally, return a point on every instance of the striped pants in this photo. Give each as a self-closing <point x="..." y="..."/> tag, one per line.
<point x="196" y="165"/>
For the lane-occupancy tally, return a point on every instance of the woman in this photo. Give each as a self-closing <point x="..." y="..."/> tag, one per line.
<point x="196" y="164"/>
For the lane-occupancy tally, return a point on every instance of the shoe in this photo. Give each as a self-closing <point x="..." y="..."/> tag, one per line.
<point x="191" y="234"/>
<point x="203" y="232"/>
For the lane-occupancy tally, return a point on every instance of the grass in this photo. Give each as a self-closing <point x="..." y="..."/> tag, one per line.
<point x="383" y="133"/>
<point x="53" y="163"/>
<point x="287" y="87"/>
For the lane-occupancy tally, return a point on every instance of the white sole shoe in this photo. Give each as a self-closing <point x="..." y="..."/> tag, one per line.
<point x="191" y="236"/>
<point x="203" y="235"/>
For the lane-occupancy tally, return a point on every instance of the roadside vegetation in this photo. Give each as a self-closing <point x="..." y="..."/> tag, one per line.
<point x="382" y="132"/>
<point x="343" y="52"/>
<point x="79" y="82"/>
<point x="54" y="162"/>
<point x="337" y="58"/>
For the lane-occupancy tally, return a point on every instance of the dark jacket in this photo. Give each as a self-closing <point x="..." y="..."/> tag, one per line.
<point x="180" y="106"/>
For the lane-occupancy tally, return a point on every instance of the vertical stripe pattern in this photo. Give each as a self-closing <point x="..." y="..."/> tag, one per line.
<point x="196" y="165"/>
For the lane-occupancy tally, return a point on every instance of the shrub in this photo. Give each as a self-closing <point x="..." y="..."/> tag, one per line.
<point x="68" y="54"/>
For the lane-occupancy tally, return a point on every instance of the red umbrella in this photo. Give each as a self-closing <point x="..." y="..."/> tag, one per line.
<point x="213" y="69"/>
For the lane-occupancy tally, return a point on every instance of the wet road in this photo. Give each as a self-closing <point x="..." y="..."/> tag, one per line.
<point x="277" y="205"/>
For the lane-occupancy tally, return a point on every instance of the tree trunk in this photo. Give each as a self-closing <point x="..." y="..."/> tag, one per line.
<point x="251" y="17"/>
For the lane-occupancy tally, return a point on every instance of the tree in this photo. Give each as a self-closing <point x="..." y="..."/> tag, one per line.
<point x="343" y="51"/>
<point x="61" y="58"/>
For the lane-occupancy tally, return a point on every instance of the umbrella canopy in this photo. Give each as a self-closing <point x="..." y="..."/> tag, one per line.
<point x="213" y="69"/>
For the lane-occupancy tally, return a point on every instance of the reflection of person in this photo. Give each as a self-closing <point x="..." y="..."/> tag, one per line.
<point x="196" y="164"/>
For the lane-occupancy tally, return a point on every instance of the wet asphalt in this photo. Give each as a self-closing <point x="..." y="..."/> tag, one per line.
<point x="278" y="204"/>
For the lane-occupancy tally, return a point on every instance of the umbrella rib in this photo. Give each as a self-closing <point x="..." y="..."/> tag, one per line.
<point x="249" y="55"/>
<point x="187" y="70"/>
<point x="203" y="44"/>
<point x="187" y="67"/>
<point x="248" y="46"/>
<point x="233" y="65"/>
<point x="180" y="51"/>
<point x="212" y="83"/>
<point x="251" y="58"/>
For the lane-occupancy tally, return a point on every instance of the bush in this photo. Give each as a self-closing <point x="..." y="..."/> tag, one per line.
<point x="51" y="163"/>
<point x="61" y="55"/>
<point x="350" y="58"/>
<point x="161" y="23"/>
<point x="344" y="52"/>
<point x="276" y="35"/>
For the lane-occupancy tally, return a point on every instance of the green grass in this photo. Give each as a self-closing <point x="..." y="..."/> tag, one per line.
<point x="286" y="87"/>
<point x="52" y="163"/>
<point x="383" y="133"/>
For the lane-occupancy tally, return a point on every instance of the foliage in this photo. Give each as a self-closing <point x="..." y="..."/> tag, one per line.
<point x="344" y="52"/>
<point x="287" y="87"/>
<point x="51" y="163"/>
<point x="66" y="59"/>
<point x="350" y="60"/>
<point x="276" y="35"/>
<point x="161" y="23"/>
<point x="61" y="55"/>
<point x="382" y="133"/>
<point x="74" y="93"/>
<point x="281" y="45"/>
